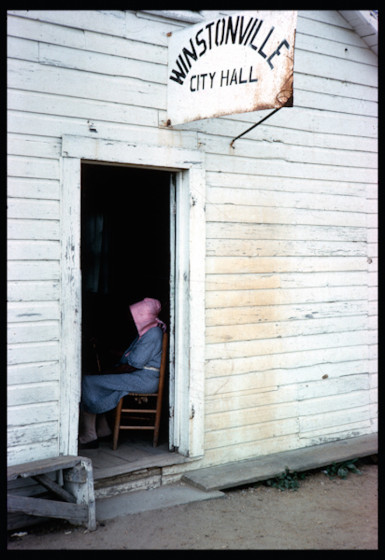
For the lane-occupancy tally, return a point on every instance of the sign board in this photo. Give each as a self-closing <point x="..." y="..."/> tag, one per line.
<point x="233" y="64"/>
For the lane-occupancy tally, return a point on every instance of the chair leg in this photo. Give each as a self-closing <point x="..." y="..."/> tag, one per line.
<point x="156" y="430"/>
<point x="117" y="425"/>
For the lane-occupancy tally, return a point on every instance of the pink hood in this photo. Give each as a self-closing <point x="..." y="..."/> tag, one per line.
<point x="145" y="314"/>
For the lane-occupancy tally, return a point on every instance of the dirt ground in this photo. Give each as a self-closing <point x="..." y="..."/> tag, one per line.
<point x="322" y="514"/>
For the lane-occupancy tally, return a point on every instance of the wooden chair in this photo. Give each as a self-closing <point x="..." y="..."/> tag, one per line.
<point x="142" y="411"/>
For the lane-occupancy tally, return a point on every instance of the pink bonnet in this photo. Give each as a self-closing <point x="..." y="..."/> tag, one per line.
<point x="145" y="314"/>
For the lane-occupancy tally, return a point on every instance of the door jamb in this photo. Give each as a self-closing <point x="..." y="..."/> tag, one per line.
<point x="187" y="430"/>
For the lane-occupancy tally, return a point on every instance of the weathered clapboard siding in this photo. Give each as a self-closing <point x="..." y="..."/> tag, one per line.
<point x="291" y="209"/>
<point x="68" y="73"/>
<point x="281" y="239"/>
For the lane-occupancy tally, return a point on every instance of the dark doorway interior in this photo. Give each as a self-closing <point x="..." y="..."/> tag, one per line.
<point x="125" y="254"/>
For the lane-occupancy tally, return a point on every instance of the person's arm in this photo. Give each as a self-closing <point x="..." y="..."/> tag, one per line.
<point x="145" y="348"/>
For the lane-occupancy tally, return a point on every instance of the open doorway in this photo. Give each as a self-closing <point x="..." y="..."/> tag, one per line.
<point x="125" y="257"/>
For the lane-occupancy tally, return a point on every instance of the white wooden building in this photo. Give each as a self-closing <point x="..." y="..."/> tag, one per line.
<point x="265" y="253"/>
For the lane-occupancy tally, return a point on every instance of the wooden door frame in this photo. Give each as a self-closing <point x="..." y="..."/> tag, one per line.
<point x="188" y="322"/>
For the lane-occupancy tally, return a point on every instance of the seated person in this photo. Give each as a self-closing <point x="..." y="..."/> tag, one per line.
<point x="137" y="372"/>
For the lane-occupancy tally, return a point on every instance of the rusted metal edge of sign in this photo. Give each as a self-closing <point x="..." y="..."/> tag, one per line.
<point x="234" y="64"/>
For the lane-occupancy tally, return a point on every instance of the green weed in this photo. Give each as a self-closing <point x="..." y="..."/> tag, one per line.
<point x="341" y="469"/>
<point x="288" y="480"/>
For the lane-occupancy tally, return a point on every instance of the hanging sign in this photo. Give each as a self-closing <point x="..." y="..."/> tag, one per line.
<point x="233" y="64"/>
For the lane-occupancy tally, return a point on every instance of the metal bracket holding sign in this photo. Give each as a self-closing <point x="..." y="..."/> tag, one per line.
<point x="233" y="64"/>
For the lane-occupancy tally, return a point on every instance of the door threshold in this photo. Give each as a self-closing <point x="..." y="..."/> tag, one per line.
<point x="133" y="454"/>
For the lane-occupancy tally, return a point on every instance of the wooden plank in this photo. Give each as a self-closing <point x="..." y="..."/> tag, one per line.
<point x="261" y="381"/>
<point x="264" y="265"/>
<point x="268" y="248"/>
<point x="48" y="483"/>
<point x="33" y="392"/>
<point x="305" y="119"/>
<point x="288" y="280"/>
<point x="324" y="155"/>
<point x="331" y="17"/>
<point x="153" y="52"/>
<point x="24" y="166"/>
<point x="358" y="96"/>
<point x="249" y="397"/>
<point x="44" y="450"/>
<point x="335" y="49"/>
<point x="45" y="290"/>
<point x="276" y="296"/>
<point x="260" y="197"/>
<point x="341" y="104"/>
<point x="330" y="403"/>
<point x="27" y="187"/>
<point x="26" y="75"/>
<point x="347" y="71"/>
<point x="95" y="20"/>
<point x="35" y="412"/>
<point x="47" y="508"/>
<point x="102" y="63"/>
<point x="121" y="118"/>
<point x="134" y="153"/>
<point x="48" y="230"/>
<point x="245" y="332"/>
<point x="251" y="417"/>
<point x="274" y="346"/>
<point x="269" y="466"/>
<point x="32" y="433"/>
<point x="288" y="184"/>
<point x="42" y="466"/>
<point x="289" y="360"/>
<point x="274" y="215"/>
<point x="34" y="249"/>
<point x="316" y="425"/>
<point x="260" y="314"/>
<point x="33" y="209"/>
<point x="331" y="387"/>
<point x="285" y="232"/>
<point x="76" y="108"/>
<point x="29" y="332"/>
<point x="276" y="167"/>
<point x="33" y="270"/>
<point x="22" y="311"/>
<point x="316" y="27"/>
<point x="135" y="24"/>
<point x="251" y="433"/>
<point x="36" y="30"/>
<point x="32" y="146"/>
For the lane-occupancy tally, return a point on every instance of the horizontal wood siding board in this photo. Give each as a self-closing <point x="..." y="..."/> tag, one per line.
<point x="278" y="345"/>
<point x="22" y="311"/>
<point x="36" y="413"/>
<point x="65" y="81"/>
<point x="282" y="329"/>
<point x="285" y="232"/>
<point x="247" y="298"/>
<point x="220" y="367"/>
<point x="293" y="280"/>
<point x="260" y="382"/>
<point x="250" y="248"/>
<point x="265" y="314"/>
